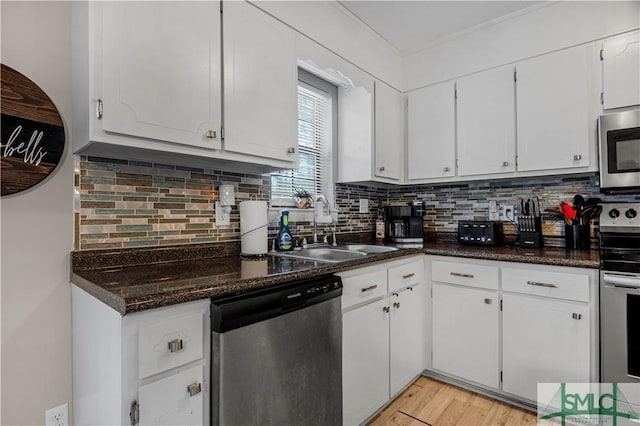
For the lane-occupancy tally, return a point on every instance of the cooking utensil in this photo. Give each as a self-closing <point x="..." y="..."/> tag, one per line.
<point x="578" y="202"/>
<point x="568" y="210"/>
<point x="557" y="214"/>
<point x="592" y="201"/>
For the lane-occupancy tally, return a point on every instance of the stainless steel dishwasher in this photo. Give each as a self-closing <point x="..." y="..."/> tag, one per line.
<point x="277" y="355"/>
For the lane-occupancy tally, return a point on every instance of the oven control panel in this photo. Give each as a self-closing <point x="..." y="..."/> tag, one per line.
<point x="620" y="214"/>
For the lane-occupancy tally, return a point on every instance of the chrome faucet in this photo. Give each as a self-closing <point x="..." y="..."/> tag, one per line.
<point x="326" y="211"/>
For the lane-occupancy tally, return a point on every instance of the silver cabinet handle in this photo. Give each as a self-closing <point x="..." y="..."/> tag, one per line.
<point x="396" y="305"/>
<point x="176" y="345"/>
<point x="291" y="150"/>
<point x="488" y="301"/>
<point x="381" y="168"/>
<point x="99" y="109"/>
<point x="371" y="287"/>
<point x="404" y="277"/>
<point x="577" y="157"/>
<point x="385" y="309"/>
<point x="576" y="316"/>
<point x="194" y="388"/>
<point x="445" y="169"/>
<point x="542" y="284"/>
<point x="211" y="134"/>
<point x="458" y="274"/>
<point x="505" y="163"/>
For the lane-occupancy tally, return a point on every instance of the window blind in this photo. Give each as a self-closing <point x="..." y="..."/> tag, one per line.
<point x="313" y="132"/>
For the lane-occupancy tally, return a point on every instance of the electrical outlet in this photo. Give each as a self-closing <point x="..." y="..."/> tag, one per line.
<point x="493" y="210"/>
<point x="57" y="416"/>
<point x="364" y="205"/>
<point x="223" y="215"/>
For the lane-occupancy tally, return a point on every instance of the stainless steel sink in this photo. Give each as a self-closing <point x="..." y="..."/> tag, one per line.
<point x="370" y="248"/>
<point x="336" y="254"/>
<point x="326" y="254"/>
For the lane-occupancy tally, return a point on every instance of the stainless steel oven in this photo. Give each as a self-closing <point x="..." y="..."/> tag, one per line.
<point x="620" y="293"/>
<point x="619" y="146"/>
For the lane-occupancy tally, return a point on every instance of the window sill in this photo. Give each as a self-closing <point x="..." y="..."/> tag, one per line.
<point x="296" y="214"/>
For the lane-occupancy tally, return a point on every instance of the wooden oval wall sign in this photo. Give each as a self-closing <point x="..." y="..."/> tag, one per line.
<point x="32" y="133"/>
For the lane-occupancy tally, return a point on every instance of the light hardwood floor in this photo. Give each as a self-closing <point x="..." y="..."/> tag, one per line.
<point x="429" y="402"/>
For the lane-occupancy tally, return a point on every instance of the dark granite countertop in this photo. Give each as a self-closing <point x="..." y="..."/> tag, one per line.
<point x="545" y="256"/>
<point x="133" y="280"/>
<point x="139" y="286"/>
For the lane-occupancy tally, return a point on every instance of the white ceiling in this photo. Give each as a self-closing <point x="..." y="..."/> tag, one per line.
<point x="410" y="26"/>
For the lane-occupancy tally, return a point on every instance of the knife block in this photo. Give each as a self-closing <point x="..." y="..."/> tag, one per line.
<point x="532" y="237"/>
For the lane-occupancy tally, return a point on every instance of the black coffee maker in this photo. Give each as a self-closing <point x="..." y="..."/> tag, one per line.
<point x="403" y="224"/>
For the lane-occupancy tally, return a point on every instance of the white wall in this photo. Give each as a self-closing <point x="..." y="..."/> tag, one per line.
<point x="545" y="29"/>
<point x="37" y="231"/>
<point x="346" y="36"/>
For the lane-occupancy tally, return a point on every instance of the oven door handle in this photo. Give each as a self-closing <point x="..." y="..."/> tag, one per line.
<point x="621" y="281"/>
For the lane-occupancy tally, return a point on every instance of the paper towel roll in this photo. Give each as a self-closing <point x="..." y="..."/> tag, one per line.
<point x="253" y="227"/>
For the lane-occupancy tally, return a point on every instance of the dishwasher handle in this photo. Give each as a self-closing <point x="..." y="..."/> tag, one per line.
<point x="624" y="281"/>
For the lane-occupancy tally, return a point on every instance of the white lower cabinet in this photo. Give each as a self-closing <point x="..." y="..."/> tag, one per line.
<point x="406" y="337"/>
<point x="382" y="334"/>
<point x="465" y="333"/>
<point x="507" y="326"/>
<point x="545" y="341"/>
<point x="151" y="366"/>
<point x="365" y="360"/>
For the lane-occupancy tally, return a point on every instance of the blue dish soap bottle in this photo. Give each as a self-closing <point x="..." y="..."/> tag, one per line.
<point x="285" y="240"/>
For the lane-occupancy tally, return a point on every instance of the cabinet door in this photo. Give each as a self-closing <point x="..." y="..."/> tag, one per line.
<point x="556" y="109"/>
<point x="486" y="122"/>
<point x="431" y="132"/>
<point x="260" y="84"/>
<point x="168" y="401"/>
<point x="389" y="124"/>
<point x="465" y="333"/>
<point x="406" y="337"/>
<point x="621" y="70"/>
<point x="543" y="341"/>
<point x="365" y="361"/>
<point x="161" y="70"/>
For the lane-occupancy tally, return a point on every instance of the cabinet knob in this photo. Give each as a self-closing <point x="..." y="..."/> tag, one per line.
<point x="396" y="305"/>
<point x="505" y="163"/>
<point x="211" y="134"/>
<point x="445" y="169"/>
<point x="176" y="345"/>
<point x="576" y="316"/>
<point x="291" y="150"/>
<point x="577" y="157"/>
<point x="488" y="301"/>
<point x="381" y="168"/>
<point x="385" y="309"/>
<point x="194" y="388"/>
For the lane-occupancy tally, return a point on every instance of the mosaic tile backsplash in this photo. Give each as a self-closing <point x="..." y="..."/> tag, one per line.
<point x="132" y="204"/>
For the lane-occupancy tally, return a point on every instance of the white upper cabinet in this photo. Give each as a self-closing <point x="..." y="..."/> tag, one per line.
<point x="389" y="132"/>
<point x="486" y="122"/>
<point x="557" y="109"/>
<point x="160" y="71"/>
<point x="621" y="71"/>
<point x="260" y="83"/>
<point x="431" y="150"/>
<point x="148" y="84"/>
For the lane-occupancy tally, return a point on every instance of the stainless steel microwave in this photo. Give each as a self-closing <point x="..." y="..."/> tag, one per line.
<point x="619" y="149"/>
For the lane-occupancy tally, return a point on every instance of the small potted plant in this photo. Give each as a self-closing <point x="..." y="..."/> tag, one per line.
<point x="302" y="197"/>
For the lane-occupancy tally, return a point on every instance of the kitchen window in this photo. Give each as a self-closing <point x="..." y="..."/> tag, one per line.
<point x="317" y="111"/>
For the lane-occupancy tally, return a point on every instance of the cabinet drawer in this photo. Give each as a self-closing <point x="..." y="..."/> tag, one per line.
<point x="465" y="274"/>
<point x="560" y="285"/>
<point x="169" y="343"/>
<point x="406" y="275"/>
<point x="363" y="287"/>
<point x="175" y="400"/>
